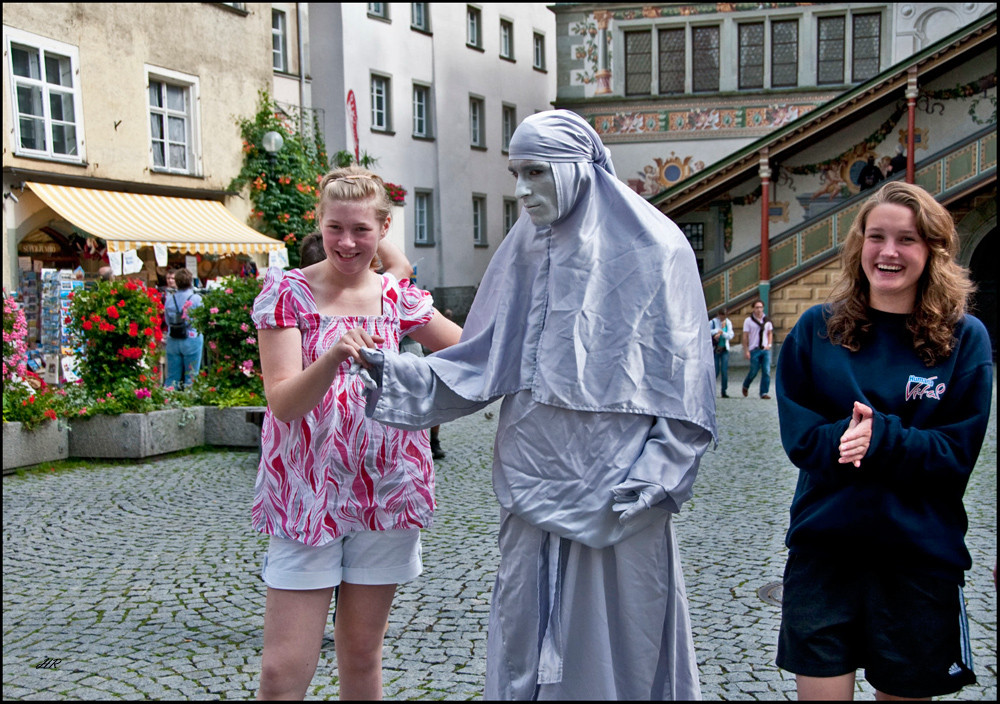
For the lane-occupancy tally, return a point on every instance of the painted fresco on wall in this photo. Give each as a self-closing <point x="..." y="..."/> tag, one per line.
<point x="664" y="173"/>
<point x="592" y="75"/>
<point x="710" y="119"/>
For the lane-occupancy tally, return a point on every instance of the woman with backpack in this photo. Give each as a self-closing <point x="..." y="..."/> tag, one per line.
<point x="184" y="343"/>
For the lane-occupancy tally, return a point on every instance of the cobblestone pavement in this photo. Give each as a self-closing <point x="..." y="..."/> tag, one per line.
<point x="140" y="580"/>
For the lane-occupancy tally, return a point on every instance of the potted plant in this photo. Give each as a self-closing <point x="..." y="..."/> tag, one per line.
<point x="119" y="409"/>
<point x="32" y="432"/>
<point x="230" y="384"/>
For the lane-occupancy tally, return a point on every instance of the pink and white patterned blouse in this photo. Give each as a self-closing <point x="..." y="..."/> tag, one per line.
<point x="333" y="471"/>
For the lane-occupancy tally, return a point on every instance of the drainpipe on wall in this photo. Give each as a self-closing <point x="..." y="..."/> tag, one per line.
<point x="302" y="68"/>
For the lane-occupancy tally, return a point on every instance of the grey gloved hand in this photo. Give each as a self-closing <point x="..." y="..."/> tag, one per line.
<point x="362" y="373"/>
<point x="633" y="496"/>
<point x="371" y="377"/>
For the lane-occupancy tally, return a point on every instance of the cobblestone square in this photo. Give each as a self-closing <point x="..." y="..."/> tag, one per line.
<point x="141" y="580"/>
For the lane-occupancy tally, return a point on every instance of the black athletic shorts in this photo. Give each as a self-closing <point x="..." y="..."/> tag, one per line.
<point x="908" y="631"/>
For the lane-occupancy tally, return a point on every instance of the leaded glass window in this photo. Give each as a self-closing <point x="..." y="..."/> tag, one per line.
<point x="638" y="63"/>
<point x="672" y="61"/>
<point x="866" y="43"/>
<point x="785" y="53"/>
<point x="830" y="52"/>
<point x="705" y="41"/>
<point x="752" y="55"/>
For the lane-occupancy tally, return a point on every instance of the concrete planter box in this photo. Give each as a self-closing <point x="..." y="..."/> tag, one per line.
<point x="136" y="435"/>
<point x="230" y="427"/>
<point x="47" y="442"/>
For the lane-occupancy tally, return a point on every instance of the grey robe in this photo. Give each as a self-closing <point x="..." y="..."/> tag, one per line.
<point x="593" y="331"/>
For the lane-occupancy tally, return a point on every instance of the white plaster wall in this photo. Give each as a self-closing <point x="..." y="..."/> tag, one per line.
<point x="447" y="165"/>
<point x="920" y="24"/>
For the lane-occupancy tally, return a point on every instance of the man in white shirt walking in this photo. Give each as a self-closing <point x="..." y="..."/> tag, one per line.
<point x="757" y="336"/>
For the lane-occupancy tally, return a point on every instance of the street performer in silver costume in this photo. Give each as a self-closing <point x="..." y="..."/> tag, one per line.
<point x="590" y="323"/>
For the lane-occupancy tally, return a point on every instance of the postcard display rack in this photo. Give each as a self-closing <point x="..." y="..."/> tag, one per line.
<point x="58" y="347"/>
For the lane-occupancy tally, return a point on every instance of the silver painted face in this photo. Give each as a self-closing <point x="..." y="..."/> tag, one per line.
<point x="536" y="189"/>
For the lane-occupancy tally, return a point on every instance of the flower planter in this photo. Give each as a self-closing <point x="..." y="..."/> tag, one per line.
<point x="230" y="427"/>
<point x="46" y="442"/>
<point x="137" y="435"/>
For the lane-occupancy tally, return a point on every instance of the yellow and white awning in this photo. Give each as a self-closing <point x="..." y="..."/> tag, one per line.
<point x="133" y="220"/>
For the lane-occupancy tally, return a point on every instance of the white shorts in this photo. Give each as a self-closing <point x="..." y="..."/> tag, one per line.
<point x="366" y="557"/>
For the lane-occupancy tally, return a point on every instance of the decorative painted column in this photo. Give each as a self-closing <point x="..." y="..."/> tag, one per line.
<point x="765" y="236"/>
<point x="603" y="75"/>
<point x="911" y="121"/>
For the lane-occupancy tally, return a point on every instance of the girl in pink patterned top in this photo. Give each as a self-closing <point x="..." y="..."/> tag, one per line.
<point x="342" y="497"/>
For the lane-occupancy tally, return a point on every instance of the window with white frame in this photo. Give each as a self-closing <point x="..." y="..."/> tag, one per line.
<point x="378" y="9"/>
<point x="381" y="115"/>
<point x="421" y="111"/>
<point x="423" y="232"/>
<point x="419" y="19"/>
<point x="477" y="130"/>
<point x="506" y="39"/>
<point x="509" y="214"/>
<point x="45" y="93"/>
<point x="474" y="27"/>
<point x="509" y="124"/>
<point x="538" y="53"/>
<point x="279" y="41"/>
<point x="172" y="99"/>
<point x="479" y="220"/>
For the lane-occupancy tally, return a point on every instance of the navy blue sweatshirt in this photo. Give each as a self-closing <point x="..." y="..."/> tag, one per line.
<point x="903" y="505"/>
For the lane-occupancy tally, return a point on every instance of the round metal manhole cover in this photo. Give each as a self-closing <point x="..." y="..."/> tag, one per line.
<point x="771" y="593"/>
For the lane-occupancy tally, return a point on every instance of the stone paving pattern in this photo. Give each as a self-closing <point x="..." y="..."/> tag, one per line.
<point x="140" y="580"/>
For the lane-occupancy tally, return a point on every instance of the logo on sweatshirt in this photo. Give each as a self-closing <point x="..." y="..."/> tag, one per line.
<point x="917" y="387"/>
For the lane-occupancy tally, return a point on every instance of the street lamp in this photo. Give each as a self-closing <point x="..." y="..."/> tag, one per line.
<point x="272" y="143"/>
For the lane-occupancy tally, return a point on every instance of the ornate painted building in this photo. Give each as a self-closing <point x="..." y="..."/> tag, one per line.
<point x="750" y="123"/>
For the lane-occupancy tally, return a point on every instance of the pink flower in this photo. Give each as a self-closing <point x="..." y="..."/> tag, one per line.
<point x="211" y="345"/>
<point x="142" y="393"/>
<point x="247" y="368"/>
<point x="251" y="341"/>
<point x="213" y="311"/>
<point x="244" y="327"/>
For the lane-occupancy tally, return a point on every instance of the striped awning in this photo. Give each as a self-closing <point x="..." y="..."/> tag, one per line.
<point x="133" y="220"/>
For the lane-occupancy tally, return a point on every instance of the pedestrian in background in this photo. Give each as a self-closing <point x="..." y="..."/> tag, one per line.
<point x="722" y="332"/>
<point x="598" y="441"/>
<point x="758" y="334"/>
<point x="883" y="404"/>
<point x="184" y="344"/>
<point x="342" y="498"/>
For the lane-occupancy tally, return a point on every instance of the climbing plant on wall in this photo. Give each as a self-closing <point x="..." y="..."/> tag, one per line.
<point x="283" y="185"/>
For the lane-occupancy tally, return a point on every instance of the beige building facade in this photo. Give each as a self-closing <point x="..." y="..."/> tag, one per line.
<point x="130" y="97"/>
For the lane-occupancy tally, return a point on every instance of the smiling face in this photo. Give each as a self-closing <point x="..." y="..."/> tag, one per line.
<point x="351" y="233"/>
<point x="536" y="189"/>
<point x="893" y="258"/>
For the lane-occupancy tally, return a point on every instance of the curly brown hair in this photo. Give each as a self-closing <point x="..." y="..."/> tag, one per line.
<point x="942" y="291"/>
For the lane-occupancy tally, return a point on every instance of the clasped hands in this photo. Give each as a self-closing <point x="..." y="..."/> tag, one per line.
<point x="854" y="443"/>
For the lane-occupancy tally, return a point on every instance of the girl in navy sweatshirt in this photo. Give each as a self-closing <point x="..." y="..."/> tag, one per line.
<point x="883" y="402"/>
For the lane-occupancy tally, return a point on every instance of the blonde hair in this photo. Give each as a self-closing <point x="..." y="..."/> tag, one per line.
<point x="353" y="183"/>
<point x="943" y="289"/>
